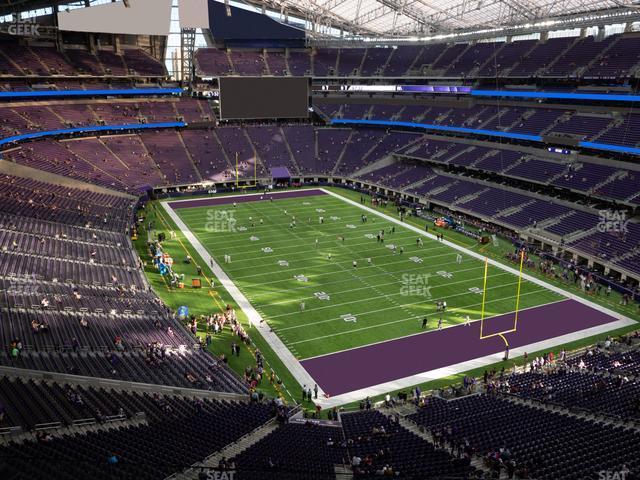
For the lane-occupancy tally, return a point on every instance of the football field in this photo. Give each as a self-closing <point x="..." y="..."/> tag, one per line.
<point x="343" y="290"/>
<point x="298" y="272"/>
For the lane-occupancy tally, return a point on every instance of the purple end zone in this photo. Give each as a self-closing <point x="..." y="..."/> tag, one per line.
<point x="209" y="202"/>
<point x="383" y="362"/>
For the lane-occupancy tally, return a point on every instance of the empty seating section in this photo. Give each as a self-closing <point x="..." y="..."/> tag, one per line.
<point x="324" y="61"/>
<point x="401" y="60"/>
<point x="277" y="63"/>
<point x="294" y="451"/>
<point x="611" y="244"/>
<point x="331" y="144"/>
<point x="374" y="61"/>
<point x="619" y="60"/>
<point x="349" y="62"/>
<point x="584" y="176"/>
<point x="537" y="170"/>
<point x="211" y="61"/>
<point x="72" y="293"/>
<point x="583" y="127"/>
<point x="208" y="155"/>
<point x="613" y="56"/>
<point x="596" y="393"/>
<point x="47" y="61"/>
<point x="428" y="56"/>
<point x="299" y="63"/>
<point x="546" y="444"/>
<point x="181" y="432"/>
<point x="472" y="59"/>
<point x="579" y="55"/>
<point x="247" y="62"/>
<point x="506" y="58"/>
<point x="168" y="153"/>
<point x="541" y="56"/>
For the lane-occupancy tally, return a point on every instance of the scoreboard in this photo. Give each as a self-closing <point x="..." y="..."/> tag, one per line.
<point x="264" y="97"/>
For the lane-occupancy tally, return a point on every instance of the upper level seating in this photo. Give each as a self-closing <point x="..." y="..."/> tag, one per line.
<point x="541" y="56"/>
<point x="617" y="61"/>
<point x="277" y="63"/>
<point x="506" y="57"/>
<point x="401" y="60"/>
<point x="349" y="61"/>
<point x="299" y="63"/>
<point x="374" y="61"/>
<point x="578" y="56"/>
<point x="472" y="59"/>
<point x="613" y="56"/>
<point x="548" y="445"/>
<point x="22" y="60"/>
<point x="212" y="61"/>
<point x="247" y="62"/>
<point x="324" y="61"/>
<point x="428" y="56"/>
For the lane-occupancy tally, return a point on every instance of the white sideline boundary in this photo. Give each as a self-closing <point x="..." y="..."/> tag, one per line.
<point x="304" y="378"/>
<point x="285" y="355"/>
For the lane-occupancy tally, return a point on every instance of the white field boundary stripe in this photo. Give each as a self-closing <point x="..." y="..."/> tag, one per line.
<point x="425" y="332"/>
<point x="273" y="193"/>
<point x="423" y="300"/>
<point x="285" y="355"/>
<point x="491" y="261"/>
<point x="401" y="320"/>
<point x="427" y="376"/>
<point x="303" y="377"/>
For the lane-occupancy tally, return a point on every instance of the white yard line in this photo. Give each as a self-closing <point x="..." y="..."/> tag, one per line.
<point x="303" y="377"/>
<point x="426" y="332"/>
<point x="401" y="320"/>
<point x="285" y="355"/>
<point x="366" y="287"/>
<point x="481" y="257"/>
<point x="421" y="301"/>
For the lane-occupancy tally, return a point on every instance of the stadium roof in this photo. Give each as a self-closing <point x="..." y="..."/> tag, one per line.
<point x="404" y="17"/>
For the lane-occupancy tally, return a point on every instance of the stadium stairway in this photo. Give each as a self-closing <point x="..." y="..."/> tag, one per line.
<point x="230" y="451"/>
<point x="383" y="162"/>
<point x="403" y="411"/>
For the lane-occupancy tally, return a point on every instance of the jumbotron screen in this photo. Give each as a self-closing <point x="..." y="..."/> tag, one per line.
<point x="260" y="97"/>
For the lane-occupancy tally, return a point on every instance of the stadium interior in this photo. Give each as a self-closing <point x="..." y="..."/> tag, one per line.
<point x="320" y="239"/>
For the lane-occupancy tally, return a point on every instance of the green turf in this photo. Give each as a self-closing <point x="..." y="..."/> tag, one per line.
<point x="389" y="298"/>
<point x="201" y="302"/>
